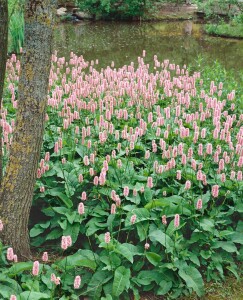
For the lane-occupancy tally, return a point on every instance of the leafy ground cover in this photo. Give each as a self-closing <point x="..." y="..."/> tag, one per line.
<point x="139" y="188"/>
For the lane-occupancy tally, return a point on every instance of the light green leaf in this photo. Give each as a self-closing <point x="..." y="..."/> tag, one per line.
<point x="121" y="280"/>
<point x="124" y="251"/>
<point x="193" y="279"/>
<point x="153" y="258"/>
<point x="33" y="296"/>
<point x="165" y="286"/>
<point x="162" y="238"/>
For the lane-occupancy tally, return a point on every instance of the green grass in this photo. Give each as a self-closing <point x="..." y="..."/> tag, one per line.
<point x="225" y="30"/>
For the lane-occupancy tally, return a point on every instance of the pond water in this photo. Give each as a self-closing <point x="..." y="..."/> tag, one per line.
<point x="124" y="42"/>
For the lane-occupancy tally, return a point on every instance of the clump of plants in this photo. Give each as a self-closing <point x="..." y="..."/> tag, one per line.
<point x="139" y="186"/>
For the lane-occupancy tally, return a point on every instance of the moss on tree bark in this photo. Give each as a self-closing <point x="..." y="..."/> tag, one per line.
<point x="17" y="187"/>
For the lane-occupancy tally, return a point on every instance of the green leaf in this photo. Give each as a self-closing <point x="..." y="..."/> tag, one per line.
<point x="56" y="193"/>
<point x="148" y="195"/>
<point x="193" y="279"/>
<point x="29" y="295"/>
<point x="73" y="231"/>
<point x="19" y="268"/>
<point x="237" y="237"/>
<point x="121" y="280"/>
<point x="165" y="286"/>
<point x="36" y="230"/>
<point x="162" y="238"/>
<point x="124" y="251"/>
<point x="153" y="258"/>
<point x="95" y="285"/>
<point x="227" y="246"/>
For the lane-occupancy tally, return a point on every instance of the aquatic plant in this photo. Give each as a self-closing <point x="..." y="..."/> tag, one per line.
<point x="139" y="187"/>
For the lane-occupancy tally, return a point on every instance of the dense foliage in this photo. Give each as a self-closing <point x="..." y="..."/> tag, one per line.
<point x="139" y="187"/>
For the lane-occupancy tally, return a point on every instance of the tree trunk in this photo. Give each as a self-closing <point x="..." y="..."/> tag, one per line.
<point x="17" y="188"/>
<point x="3" y="60"/>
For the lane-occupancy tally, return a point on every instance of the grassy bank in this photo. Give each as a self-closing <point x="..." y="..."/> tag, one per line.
<point x="225" y="30"/>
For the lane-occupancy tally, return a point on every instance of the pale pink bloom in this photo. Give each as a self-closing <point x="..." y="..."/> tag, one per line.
<point x="239" y="176"/>
<point x="187" y="185"/>
<point x="113" y="209"/>
<point x="178" y="175"/>
<point x="164" y="221"/>
<point x="119" y="163"/>
<point x="134" y="192"/>
<point x="15" y="258"/>
<point x="53" y="277"/>
<point x="147" y="154"/>
<point x="84" y="196"/>
<point x="64" y="245"/>
<point x="77" y="282"/>
<point x="42" y="189"/>
<point x="150" y="182"/>
<point x="107" y="237"/>
<point x="96" y="180"/>
<point x="126" y="191"/>
<point x="56" y="147"/>
<point x="63" y="160"/>
<point x="146" y="246"/>
<point x="133" y="219"/>
<point x="102" y="178"/>
<point x="57" y="281"/>
<point x="81" y="208"/>
<point x="86" y="160"/>
<point x="215" y="191"/>
<point x="45" y="257"/>
<point x="35" y="269"/>
<point x="232" y="175"/>
<point x="199" y="204"/>
<point x="69" y="240"/>
<point x="10" y="254"/>
<point x="164" y="193"/>
<point x="1" y="225"/>
<point x="177" y="220"/>
<point x="142" y="189"/>
<point x="13" y="297"/>
<point x="80" y="178"/>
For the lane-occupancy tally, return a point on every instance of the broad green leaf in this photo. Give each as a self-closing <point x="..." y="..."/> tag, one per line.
<point x="29" y="295"/>
<point x="124" y="251"/>
<point x="227" y="246"/>
<point x="153" y="258"/>
<point x="73" y="231"/>
<point x="148" y="195"/>
<point x="19" y="268"/>
<point x="121" y="280"/>
<point x="193" y="279"/>
<point x="56" y="193"/>
<point x="36" y="230"/>
<point x="162" y="238"/>
<point x="97" y="281"/>
<point x="165" y="286"/>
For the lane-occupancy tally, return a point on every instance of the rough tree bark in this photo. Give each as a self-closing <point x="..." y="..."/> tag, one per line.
<point x="17" y="187"/>
<point x="3" y="60"/>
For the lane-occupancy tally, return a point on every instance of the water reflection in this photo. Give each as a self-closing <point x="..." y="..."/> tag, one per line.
<point x="124" y="42"/>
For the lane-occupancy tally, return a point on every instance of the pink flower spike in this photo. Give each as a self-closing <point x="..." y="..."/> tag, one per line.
<point x="199" y="204"/>
<point x="146" y="246"/>
<point x="10" y="254"/>
<point x="35" y="269"/>
<point x="45" y="257"/>
<point x="177" y="220"/>
<point x="13" y="297"/>
<point x="107" y="237"/>
<point x="77" y="282"/>
<point x="1" y="225"/>
<point x="81" y="208"/>
<point x="133" y="219"/>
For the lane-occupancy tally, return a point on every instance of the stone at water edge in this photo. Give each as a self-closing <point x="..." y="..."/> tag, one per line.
<point x="61" y="11"/>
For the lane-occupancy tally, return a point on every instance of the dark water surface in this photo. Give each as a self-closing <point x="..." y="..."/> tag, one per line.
<point x="124" y="42"/>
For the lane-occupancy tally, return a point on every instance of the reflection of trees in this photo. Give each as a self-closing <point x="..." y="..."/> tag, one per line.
<point x="124" y="42"/>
